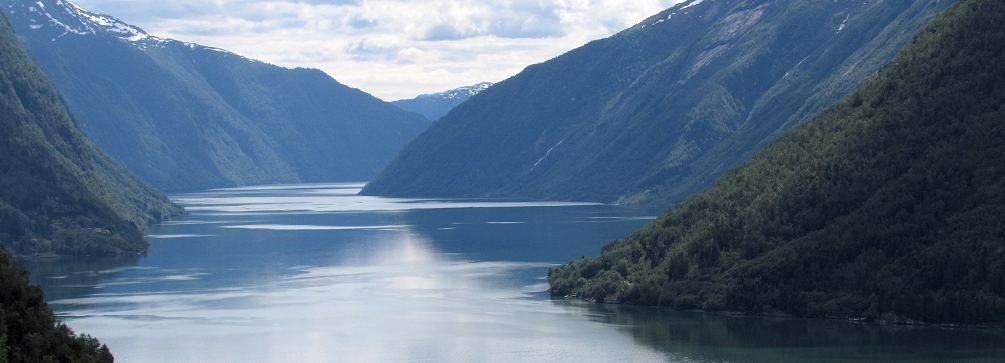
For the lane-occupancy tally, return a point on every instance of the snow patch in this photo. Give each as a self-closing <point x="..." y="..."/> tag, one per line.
<point x="546" y="154"/>
<point x="68" y="18"/>
<point x="458" y="92"/>
<point x="669" y="16"/>
<point x="693" y="3"/>
<point x="795" y="66"/>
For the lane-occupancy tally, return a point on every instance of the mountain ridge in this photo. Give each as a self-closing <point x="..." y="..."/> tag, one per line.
<point x="659" y="110"/>
<point x="885" y="207"/>
<point x="187" y="117"/>
<point x="436" y="105"/>
<point x="60" y="193"/>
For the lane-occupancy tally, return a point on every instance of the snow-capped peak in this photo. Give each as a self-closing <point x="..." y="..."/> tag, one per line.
<point x="462" y="92"/>
<point x="64" y="18"/>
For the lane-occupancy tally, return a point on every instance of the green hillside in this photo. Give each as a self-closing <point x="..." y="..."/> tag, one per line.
<point x="29" y="332"/>
<point x="187" y="117"/>
<point x="890" y="205"/>
<point x="659" y="111"/>
<point x="323" y="130"/>
<point x="58" y="192"/>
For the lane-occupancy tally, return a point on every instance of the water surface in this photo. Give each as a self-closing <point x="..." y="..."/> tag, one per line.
<point x="314" y="273"/>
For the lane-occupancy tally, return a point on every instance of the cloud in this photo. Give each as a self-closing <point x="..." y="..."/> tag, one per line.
<point x="505" y="19"/>
<point x="328" y="2"/>
<point x="391" y="48"/>
<point x="442" y="32"/>
<point x="361" y="23"/>
<point x="362" y="51"/>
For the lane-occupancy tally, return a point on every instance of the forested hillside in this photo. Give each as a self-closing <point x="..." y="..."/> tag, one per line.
<point x="58" y="192"/>
<point x="890" y="205"/>
<point x="29" y="332"/>
<point x="659" y="111"/>
<point x="187" y="117"/>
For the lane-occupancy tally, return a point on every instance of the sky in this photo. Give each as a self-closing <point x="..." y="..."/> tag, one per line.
<point x="392" y="49"/>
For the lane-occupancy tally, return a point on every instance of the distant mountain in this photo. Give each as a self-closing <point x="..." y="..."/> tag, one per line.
<point x="435" y="105"/>
<point x="887" y="206"/>
<point x="659" y="111"/>
<point x="58" y="192"/>
<point x="187" y="117"/>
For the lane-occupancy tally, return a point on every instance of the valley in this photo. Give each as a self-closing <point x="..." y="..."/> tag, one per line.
<point x="726" y="180"/>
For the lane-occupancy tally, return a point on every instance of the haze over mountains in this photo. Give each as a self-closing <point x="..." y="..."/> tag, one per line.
<point x="435" y="105"/>
<point x="188" y="117"/>
<point x="887" y="206"/>
<point x="659" y="111"/>
<point x="58" y="192"/>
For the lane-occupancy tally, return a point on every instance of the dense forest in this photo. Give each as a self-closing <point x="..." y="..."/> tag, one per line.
<point x="29" y="332"/>
<point x="659" y="111"/>
<point x="888" y="206"/>
<point x="58" y="192"/>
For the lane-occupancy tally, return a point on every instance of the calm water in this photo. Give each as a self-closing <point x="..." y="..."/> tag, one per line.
<point x="313" y="273"/>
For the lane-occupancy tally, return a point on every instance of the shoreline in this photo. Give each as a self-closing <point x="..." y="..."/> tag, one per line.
<point x="860" y="320"/>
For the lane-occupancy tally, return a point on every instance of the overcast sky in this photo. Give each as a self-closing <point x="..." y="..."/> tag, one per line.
<point x="392" y="49"/>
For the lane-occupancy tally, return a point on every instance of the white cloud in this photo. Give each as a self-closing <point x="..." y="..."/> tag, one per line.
<point x="391" y="48"/>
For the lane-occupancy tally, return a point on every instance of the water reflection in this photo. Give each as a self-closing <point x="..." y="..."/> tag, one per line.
<point x="717" y="337"/>
<point x="327" y="198"/>
<point x="313" y="273"/>
<point x="400" y="300"/>
<point x="76" y="276"/>
<point x="540" y="234"/>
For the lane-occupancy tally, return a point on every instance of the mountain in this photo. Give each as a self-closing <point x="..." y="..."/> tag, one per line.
<point x="29" y="332"/>
<point x="188" y="117"/>
<point x="58" y="192"/>
<point x="659" y="111"/>
<point x="887" y="206"/>
<point x="435" y="105"/>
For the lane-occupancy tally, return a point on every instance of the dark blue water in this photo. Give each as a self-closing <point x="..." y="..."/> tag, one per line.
<point x="314" y="273"/>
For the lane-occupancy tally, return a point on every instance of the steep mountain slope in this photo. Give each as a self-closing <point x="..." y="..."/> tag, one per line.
<point x="658" y="111"/>
<point x="187" y="117"/>
<point x="58" y="192"/>
<point x="436" y="105"/>
<point x="888" y="205"/>
<point x="29" y="332"/>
